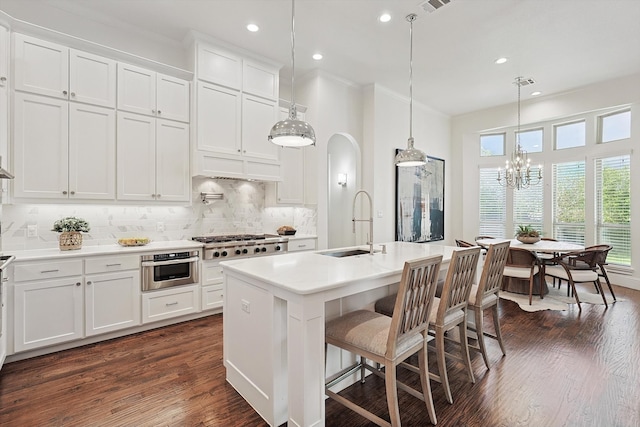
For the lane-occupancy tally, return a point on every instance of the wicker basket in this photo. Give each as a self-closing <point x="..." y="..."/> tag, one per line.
<point x="70" y="240"/>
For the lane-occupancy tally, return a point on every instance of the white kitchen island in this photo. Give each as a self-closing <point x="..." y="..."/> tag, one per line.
<point x="274" y="317"/>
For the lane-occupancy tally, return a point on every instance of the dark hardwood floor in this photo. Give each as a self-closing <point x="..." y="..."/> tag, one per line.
<point x="561" y="369"/>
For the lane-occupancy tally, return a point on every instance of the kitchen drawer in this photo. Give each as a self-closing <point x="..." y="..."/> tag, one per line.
<point x="212" y="297"/>
<point x="302" y="245"/>
<point x="39" y="270"/>
<point x="171" y="302"/>
<point x="111" y="263"/>
<point x="211" y="273"/>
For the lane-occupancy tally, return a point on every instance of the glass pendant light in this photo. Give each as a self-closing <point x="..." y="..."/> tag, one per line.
<point x="411" y="156"/>
<point x="292" y="132"/>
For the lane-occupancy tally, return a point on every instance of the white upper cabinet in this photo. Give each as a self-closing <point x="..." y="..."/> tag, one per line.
<point x="63" y="150"/>
<point x="259" y="79"/>
<point x="92" y="79"/>
<point x="258" y="117"/>
<point x="146" y="92"/>
<point x="54" y="70"/>
<point x="153" y="159"/>
<point x="218" y="119"/>
<point x="219" y="66"/>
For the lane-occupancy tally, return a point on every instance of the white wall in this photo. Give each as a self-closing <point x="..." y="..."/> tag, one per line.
<point x="386" y="125"/>
<point x="465" y="140"/>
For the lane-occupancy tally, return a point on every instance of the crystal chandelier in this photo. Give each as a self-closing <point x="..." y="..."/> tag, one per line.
<point x="517" y="173"/>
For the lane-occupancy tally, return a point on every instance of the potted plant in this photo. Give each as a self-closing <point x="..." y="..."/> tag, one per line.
<point x="527" y="234"/>
<point x="70" y="229"/>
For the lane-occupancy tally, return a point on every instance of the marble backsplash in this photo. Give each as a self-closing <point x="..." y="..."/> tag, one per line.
<point x="242" y="210"/>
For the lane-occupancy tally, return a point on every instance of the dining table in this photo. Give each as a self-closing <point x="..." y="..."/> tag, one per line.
<point x="545" y="249"/>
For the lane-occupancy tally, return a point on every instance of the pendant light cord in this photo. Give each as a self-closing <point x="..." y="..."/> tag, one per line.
<point x="411" y="17"/>
<point x="518" y="147"/>
<point x="292" y="109"/>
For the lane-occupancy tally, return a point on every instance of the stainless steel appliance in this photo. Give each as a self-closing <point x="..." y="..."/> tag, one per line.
<point x="232" y="246"/>
<point x="170" y="269"/>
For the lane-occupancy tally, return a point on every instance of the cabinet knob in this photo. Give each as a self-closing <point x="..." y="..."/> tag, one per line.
<point x="78" y="284"/>
<point x="239" y="150"/>
<point x="153" y="111"/>
<point x="158" y="196"/>
<point x="72" y="193"/>
<point x="64" y="92"/>
<point x="64" y="192"/>
<point x="159" y="112"/>
<point x="88" y="282"/>
<point x="3" y="79"/>
<point x="73" y="94"/>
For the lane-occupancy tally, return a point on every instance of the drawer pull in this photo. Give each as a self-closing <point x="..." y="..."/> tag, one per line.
<point x="171" y="303"/>
<point x="114" y="265"/>
<point x="302" y="246"/>
<point x="49" y="271"/>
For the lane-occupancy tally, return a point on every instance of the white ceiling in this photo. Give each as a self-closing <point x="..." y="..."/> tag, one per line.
<point x="562" y="44"/>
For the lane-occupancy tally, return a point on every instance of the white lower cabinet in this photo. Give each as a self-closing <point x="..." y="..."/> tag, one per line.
<point x="212" y="293"/>
<point x="296" y="245"/>
<point x="112" y="301"/>
<point x="170" y="302"/>
<point x="47" y="312"/>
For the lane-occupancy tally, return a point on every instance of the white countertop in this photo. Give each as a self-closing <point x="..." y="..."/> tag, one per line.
<point x="92" y="250"/>
<point x="309" y="272"/>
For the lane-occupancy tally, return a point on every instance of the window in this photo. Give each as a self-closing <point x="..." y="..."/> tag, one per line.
<point x="492" y="145"/>
<point x="615" y="126"/>
<point x="531" y="140"/>
<point x="570" y="135"/>
<point x="493" y="207"/>
<point x="528" y="206"/>
<point x="569" y="202"/>
<point x="613" y="207"/>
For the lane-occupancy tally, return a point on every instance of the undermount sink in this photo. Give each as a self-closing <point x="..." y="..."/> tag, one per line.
<point x="346" y="253"/>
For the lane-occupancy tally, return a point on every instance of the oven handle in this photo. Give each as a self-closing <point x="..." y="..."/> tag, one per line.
<point x="169" y="262"/>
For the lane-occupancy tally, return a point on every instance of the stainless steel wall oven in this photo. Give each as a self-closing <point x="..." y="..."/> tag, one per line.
<point x="170" y="269"/>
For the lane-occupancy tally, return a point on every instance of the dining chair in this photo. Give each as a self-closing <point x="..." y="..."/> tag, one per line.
<point x="546" y="258"/>
<point x="566" y="268"/>
<point x="463" y="244"/>
<point x="389" y="341"/>
<point x="599" y="261"/>
<point x="523" y="264"/>
<point x="450" y="311"/>
<point x="484" y="296"/>
<point x="484" y="247"/>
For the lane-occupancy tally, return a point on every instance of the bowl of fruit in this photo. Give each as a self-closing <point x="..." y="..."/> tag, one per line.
<point x="286" y="230"/>
<point x="133" y="241"/>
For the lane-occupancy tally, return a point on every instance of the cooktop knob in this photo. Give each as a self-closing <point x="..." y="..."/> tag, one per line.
<point x="238" y="251"/>
<point x="278" y="248"/>
<point x="216" y="254"/>
<point x="264" y="249"/>
<point x="224" y="253"/>
<point x="257" y="250"/>
<point x="244" y="251"/>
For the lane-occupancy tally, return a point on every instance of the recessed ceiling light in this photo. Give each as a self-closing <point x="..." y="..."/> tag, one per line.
<point x="317" y="56"/>
<point x="536" y="93"/>
<point x="501" y="60"/>
<point x="385" y="17"/>
<point x="253" y="28"/>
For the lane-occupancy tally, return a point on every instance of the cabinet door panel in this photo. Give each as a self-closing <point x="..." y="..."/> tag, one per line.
<point x="260" y="80"/>
<point x="291" y="189"/>
<point x="218" y="121"/>
<point x="220" y="67"/>
<point x="92" y="79"/>
<point x="47" y="313"/>
<point x="112" y="302"/>
<point x="40" y="146"/>
<point x="136" y="157"/>
<point x="41" y="67"/>
<point x="172" y="98"/>
<point x="258" y="117"/>
<point x="92" y="152"/>
<point x="136" y="89"/>
<point x="4" y="57"/>
<point x="173" y="180"/>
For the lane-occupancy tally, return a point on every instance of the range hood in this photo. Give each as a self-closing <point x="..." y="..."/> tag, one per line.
<point x="5" y="174"/>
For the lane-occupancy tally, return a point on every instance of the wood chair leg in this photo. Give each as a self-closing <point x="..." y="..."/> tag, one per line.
<point x="392" y="393"/>
<point x="496" y="326"/>
<point x="606" y="279"/>
<point x="575" y="293"/>
<point x="530" y="289"/>
<point x="480" y="333"/>
<point x="601" y="290"/>
<point x="426" y="384"/>
<point x="442" y="364"/>
<point x="363" y="360"/>
<point x="464" y="343"/>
